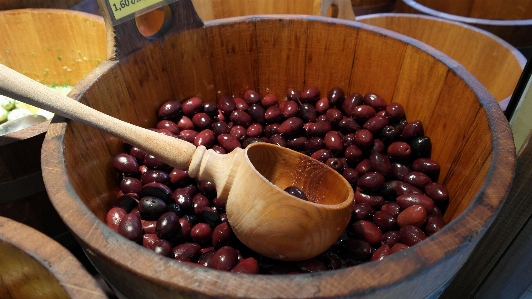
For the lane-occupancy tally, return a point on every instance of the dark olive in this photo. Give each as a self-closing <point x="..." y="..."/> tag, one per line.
<point x="295" y="191"/>
<point x="421" y="147"/>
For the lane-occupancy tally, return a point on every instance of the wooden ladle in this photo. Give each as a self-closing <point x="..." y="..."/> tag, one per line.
<point x="263" y="216"/>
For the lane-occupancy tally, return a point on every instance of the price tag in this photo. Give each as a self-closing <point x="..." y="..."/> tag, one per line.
<point x="124" y="8"/>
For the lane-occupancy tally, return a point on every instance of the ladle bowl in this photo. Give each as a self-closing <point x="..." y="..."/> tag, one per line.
<point x="285" y="227"/>
<point x="471" y="140"/>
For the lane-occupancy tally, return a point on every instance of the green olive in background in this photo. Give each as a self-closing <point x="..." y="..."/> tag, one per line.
<point x="7" y="103"/>
<point x="3" y="115"/>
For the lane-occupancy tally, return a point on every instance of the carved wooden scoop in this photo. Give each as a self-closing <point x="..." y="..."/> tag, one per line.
<point x="262" y="215"/>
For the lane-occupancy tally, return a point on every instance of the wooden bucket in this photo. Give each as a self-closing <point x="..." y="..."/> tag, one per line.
<point x="470" y="136"/>
<point x="479" y="51"/>
<point x="217" y="9"/>
<point x="366" y="7"/>
<point x="33" y="265"/>
<point x="54" y="47"/>
<point x="510" y="20"/>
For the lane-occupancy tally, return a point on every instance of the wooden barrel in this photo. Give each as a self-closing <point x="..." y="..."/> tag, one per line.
<point x="217" y="9"/>
<point x="365" y="7"/>
<point x="470" y="136"/>
<point x="510" y="20"/>
<point x="32" y="265"/>
<point x="54" y="47"/>
<point x="479" y="51"/>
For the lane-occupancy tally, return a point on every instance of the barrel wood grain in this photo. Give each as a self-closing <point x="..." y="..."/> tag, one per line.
<point x="231" y="55"/>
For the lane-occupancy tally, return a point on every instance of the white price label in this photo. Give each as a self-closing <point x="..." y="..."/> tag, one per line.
<point x="123" y="8"/>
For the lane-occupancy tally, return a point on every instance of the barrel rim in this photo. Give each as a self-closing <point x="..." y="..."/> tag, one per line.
<point x="478" y="21"/>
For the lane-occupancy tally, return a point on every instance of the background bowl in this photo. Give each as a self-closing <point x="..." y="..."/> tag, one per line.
<point x="510" y="20"/>
<point x="479" y="51"/>
<point x="53" y="47"/>
<point x="32" y="265"/>
<point x="470" y="136"/>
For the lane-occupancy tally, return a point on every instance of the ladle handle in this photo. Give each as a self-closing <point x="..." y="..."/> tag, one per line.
<point x="173" y="151"/>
